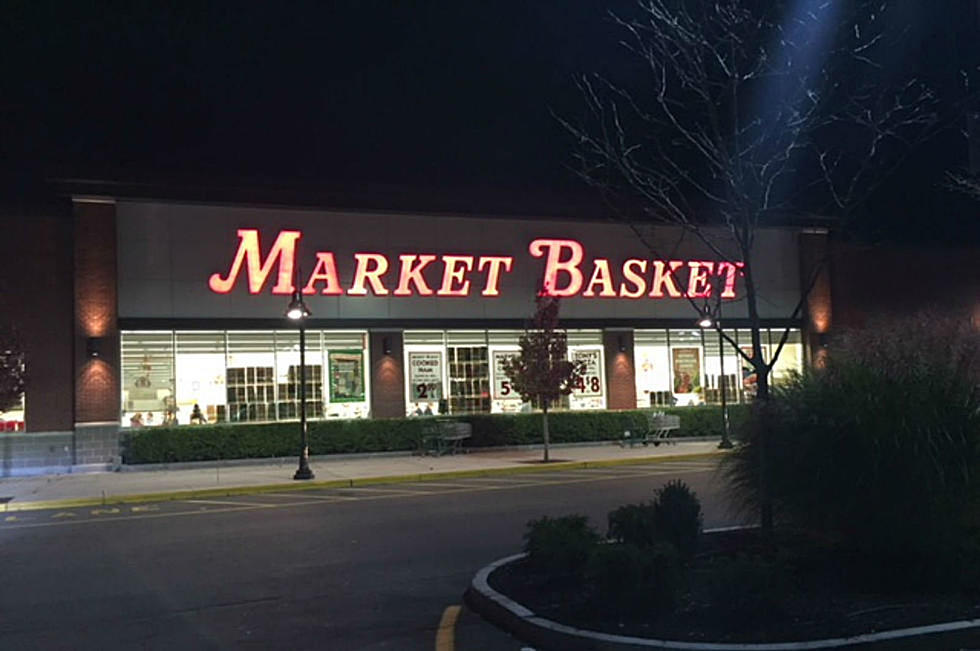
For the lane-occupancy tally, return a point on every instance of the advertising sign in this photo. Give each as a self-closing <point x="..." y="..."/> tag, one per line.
<point x="346" y="369"/>
<point x="503" y="389"/>
<point x="687" y="369"/>
<point x="425" y="376"/>
<point x="590" y="384"/>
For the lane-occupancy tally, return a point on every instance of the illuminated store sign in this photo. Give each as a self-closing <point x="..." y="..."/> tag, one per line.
<point x="567" y="272"/>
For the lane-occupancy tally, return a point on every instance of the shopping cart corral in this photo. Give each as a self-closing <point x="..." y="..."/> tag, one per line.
<point x="658" y="426"/>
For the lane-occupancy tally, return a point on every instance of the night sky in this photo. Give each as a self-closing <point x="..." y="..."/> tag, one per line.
<point x="424" y="94"/>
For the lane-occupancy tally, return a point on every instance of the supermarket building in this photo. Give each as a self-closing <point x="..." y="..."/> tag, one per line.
<point x="141" y="308"/>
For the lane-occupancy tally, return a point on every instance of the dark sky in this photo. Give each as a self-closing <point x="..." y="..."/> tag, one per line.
<point x="454" y="93"/>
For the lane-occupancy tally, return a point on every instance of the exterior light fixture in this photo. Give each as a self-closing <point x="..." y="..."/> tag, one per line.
<point x="386" y="346"/>
<point x="621" y="343"/>
<point x="297" y="309"/>
<point x="93" y="347"/>
<point x="706" y="321"/>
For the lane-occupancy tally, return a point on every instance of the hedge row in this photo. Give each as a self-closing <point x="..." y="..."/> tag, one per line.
<point x="241" y="441"/>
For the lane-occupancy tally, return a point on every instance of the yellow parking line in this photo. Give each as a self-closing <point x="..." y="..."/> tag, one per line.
<point x="446" y="634"/>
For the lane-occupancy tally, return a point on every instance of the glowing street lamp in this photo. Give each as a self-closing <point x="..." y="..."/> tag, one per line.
<point x="297" y="311"/>
<point x="708" y="321"/>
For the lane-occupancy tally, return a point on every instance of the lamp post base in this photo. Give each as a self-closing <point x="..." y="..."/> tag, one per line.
<point x="303" y="472"/>
<point x="726" y="444"/>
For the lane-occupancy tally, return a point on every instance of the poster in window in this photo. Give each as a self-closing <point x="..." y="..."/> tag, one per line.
<point x="503" y="387"/>
<point x="346" y="369"/>
<point x="687" y="369"/>
<point x="590" y="384"/>
<point x="425" y="376"/>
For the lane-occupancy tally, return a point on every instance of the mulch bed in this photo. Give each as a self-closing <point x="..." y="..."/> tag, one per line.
<point x="819" y="602"/>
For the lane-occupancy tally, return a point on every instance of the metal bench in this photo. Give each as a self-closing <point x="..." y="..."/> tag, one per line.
<point x="658" y="429"/>
<point x="444" y="437"/>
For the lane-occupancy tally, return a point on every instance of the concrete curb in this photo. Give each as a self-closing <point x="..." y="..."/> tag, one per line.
<point x="344" y="483"/>
<point x="520" y="621"/>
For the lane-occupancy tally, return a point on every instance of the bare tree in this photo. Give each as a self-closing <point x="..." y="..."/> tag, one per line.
<point x="746" y="112"/>
<point x="541" y="373"/>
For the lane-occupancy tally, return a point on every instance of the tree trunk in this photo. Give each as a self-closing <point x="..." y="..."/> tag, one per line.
<point x="762" y="399"/>
<point x="544" y="428"/>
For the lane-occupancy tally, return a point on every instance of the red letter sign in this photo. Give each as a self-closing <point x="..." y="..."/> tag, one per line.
<point x="283" y="250"/>
<point x="555" y="264"/>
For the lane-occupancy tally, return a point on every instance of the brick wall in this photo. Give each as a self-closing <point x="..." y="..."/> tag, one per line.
<point x="37" y="288"/>
<point x="96" y="380"/>
<point x="620" y="375"/>
<point x="387" y="375"/>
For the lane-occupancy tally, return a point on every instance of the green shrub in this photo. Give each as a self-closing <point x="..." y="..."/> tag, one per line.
<point x="560" y="546"/>
<point x="627" y="577"/>
<point x="880" y="447"/>
<point x="677" y="517"/>
<point x="747" y="591"/>
<point x="333" y="436"/>
<point x="633" y="524"/>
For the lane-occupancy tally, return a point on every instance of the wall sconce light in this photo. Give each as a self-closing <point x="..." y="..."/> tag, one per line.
<point x="621" y="343"/>
<point x="95" y="347"/>
<point x="823" y="339"/>
<point x="386" y="346"/>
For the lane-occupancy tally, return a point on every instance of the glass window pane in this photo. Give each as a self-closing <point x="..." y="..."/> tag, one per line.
<point x="288" y="374"/>
<point x="347" y="387"/>
<point x="201" y="390"/>
<point x="687" y="366"/>
<point x="652" y="364"/>
<point x="250" y="376"/>
<point x="147" y="379"/>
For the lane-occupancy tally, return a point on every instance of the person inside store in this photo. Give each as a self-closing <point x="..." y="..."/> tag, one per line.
<point x="136" y="420"/>
<point x="197" y="418"/>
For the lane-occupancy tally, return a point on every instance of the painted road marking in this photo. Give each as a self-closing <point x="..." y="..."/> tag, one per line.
<point x="65" y="514"/>
<point x="230" y="503"/>
<point x="309" y="496"/>
<point x="109" y="511"/>
<point x="143" y="509"/>
<point x="234" y="506"/>
<point x="446" y="633"/>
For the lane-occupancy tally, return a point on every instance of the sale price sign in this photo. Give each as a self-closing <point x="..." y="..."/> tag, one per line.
<point x="425" y="376"/>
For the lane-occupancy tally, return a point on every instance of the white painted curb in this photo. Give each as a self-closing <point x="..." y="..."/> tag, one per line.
<point x="481" y="585"/>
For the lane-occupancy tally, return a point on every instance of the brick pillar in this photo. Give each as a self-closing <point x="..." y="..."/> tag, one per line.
<point x="37" y="288"/>
<point x="96" y="313"/>
<point x="620" y="374"/>
<point x="387" y="375"/>
<point x="818" y="316"/>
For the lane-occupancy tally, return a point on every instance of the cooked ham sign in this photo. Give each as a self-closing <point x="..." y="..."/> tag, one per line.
<point x="566" y="272"/>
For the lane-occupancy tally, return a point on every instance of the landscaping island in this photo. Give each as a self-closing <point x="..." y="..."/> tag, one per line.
<point x="871" y="465"/>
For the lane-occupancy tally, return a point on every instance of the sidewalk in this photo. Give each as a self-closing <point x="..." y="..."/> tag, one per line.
<point x="227" y="478"/>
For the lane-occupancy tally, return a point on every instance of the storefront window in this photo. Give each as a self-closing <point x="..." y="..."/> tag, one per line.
<point x="652" y="363"/>
<point x="148" y="393"/>
<point x="200" y="377"/>
<point x="426" y="376"/>
<point x="240" y="376"/>
<point x="686" y="367"/>
<point x="586" y="346"/>
<point x="347" y="376"/>
<point x="503" y="345"/>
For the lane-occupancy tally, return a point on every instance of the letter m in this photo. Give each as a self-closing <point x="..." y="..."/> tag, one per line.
<point x="283" y="250"/>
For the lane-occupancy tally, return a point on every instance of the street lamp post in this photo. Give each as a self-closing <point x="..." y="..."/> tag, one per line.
<point x="297" y="311"/>
<point x="708" y="320"/>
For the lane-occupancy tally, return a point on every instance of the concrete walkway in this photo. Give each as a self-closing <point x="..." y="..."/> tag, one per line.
<point x="229" y="478"/>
